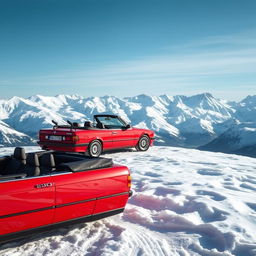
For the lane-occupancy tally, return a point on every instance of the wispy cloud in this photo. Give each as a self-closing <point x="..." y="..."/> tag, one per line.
<point x="234" y="63"/>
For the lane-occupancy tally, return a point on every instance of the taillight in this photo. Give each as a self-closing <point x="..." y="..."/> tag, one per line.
<point x="43" y="137"/>
<point x="75" y="138"/>
<point x="129" y="181"/>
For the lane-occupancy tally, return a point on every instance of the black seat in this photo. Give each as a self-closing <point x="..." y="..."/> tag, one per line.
<point x="47" y="164"/>
<point x="17" y="161"/>
<point x="32" y="166"/>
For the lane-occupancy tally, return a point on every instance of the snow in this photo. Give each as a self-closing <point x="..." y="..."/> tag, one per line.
<point x="186" y="202"/>
<point x="9" y="136"/>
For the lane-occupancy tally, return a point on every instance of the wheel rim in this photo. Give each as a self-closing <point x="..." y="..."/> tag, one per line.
<point x="95" y="149"/>
<point x="144" y="143"/>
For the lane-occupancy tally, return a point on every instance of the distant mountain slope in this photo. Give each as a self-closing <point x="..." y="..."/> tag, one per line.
<point x="177" y="120"/>
<point x="10" y="137"/>
<point x="239" y="139"/>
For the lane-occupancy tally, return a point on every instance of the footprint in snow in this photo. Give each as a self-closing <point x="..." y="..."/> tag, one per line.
<point x="231" y="187"/>
<point x="153" y="174"/>
<point x="210" y="172"/>
<point x="248" y="186"/>
<point x="215" y="196"/>
<point x="173" y="183"/>
<point x="252" y="206"/>
<point x="248" y="180"/>
<point x="163" y="191"/>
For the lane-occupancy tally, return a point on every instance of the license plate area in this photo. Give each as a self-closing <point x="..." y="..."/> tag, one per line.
<point x="55" y="137"/>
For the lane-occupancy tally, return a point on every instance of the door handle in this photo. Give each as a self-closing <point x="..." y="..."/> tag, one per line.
<point x="114" y="132"/>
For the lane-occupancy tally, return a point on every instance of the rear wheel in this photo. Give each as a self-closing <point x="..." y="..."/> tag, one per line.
<point x="95" y="148"/>
<point x="143" y="143"/>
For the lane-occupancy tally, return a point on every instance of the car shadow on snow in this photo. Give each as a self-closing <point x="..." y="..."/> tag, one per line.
<point x="45" y="235"/>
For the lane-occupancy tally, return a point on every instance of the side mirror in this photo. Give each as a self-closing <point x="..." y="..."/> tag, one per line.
<point x="127" y="126"/>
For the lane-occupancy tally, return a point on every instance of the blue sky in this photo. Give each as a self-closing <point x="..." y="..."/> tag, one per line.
<point x="128" y="47"/>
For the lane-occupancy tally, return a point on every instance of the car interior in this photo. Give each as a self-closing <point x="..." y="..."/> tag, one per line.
<point x="101" y="122"/>
<point x="21" y="165"/>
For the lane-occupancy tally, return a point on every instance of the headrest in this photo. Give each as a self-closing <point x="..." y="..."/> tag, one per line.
<point x="47" y="160"/>
<point x="88" y="124"/>
<point x="75" y="124"/>
<point x="32" y="159"/>
<point x="19" y="153"/>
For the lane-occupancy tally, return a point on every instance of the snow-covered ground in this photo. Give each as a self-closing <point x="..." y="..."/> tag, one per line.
<point x="186" y="202"/>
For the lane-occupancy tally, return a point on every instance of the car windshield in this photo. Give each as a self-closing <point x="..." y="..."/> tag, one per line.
<point x="111" y="122"/>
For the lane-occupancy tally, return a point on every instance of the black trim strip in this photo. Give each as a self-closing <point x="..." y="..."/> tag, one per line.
<point x="77" y="202"/>
<point x="93" y="199"/>
<point x="120" y="140"/>
<point x="61" y="205"/>
<point x="126" y="139"/>
<point x="46" y="228"/>
<point x="118" y="194"/>
<point x="26" y="212"/>
<point x="47" y="143"/>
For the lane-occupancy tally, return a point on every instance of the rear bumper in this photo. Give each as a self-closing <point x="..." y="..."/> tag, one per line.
<point x="58" y="146"/>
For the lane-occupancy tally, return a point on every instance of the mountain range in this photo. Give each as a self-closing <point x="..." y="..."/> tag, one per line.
<point x="199" y="121"/>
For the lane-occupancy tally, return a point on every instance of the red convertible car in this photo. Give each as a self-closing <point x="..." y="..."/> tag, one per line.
<point x="106" y="133"/>
<point x="44" y="190"/>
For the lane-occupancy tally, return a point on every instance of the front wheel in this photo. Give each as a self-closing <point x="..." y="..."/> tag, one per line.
<point x="143" y="143"/>
<point x="94" y="148"/>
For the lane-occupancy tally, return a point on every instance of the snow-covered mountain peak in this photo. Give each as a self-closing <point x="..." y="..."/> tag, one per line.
<point x="143" y="99"/>
<point x="179" y="120"/>
<point x="251" y="100"/>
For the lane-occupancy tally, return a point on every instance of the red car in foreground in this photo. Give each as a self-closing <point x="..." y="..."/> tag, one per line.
<point x="44" y="190"/>
<point x="106" y="133"/>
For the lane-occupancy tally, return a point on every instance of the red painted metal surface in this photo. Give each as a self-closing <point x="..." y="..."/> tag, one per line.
<point x="73" y="189"/>
<point x="110" y="138"/>
<point x="38" y="201"/>
<point x="21" y="196"/>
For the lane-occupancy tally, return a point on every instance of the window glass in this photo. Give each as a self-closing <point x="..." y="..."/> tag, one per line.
<point x="111" y="122"/>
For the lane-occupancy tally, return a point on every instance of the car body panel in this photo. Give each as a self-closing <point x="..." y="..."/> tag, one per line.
<point x="28" y="203"/>
<point x="81" y="192"/>
<point x="110" y="138"/>
<point x="23" y="205"/>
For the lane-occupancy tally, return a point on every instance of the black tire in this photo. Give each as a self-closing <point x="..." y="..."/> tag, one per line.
<point x="143" y="143"/>
<point x="95" y="148"/>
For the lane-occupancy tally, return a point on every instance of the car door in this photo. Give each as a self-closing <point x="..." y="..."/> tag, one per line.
<point x="122" y="135"/>
<point x="75" y="195"/>
<point x="123" y="138"/>
<point x="26" y="203"/>
<point x="106" y="136"/>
